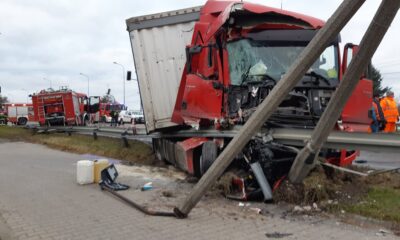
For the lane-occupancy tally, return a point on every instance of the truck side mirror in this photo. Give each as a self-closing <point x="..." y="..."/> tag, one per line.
<point x="129" y="76"/>
<point x="368" y="71"/>
<point x="350" y="50"/>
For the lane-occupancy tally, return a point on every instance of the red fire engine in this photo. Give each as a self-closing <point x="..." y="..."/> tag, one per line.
<point x="60" y="107"/>
<point x="19" y="113"/>
<point x="99" y="108"/>
<point x="107" y="108"/>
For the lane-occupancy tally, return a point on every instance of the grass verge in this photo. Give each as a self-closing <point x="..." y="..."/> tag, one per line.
<point x="137" y="152"/>
<point x="381" y="203"/>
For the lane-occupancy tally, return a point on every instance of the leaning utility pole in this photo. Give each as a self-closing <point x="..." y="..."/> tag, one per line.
<point x="380" y="24"/>
<point x="314" y="49"/>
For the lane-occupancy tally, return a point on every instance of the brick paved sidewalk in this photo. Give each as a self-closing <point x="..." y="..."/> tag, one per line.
<point x="39" y="199"/>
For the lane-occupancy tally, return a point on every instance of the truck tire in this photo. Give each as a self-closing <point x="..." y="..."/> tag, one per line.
<point x="157" y="149"/>
<point x="22" y="121"/>
<point x="209" y="152"/>
<point x="2" y="121"/>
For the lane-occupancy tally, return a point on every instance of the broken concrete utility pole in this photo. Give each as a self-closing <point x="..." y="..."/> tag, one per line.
<point x="314" y="49"/>
<point x="304" y="161"/>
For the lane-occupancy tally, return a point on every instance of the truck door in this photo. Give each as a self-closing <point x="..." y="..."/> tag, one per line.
<point x="355" y="112"/>
<point x="203" y="93"/>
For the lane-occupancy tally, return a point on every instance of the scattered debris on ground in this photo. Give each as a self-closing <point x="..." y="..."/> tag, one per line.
<point x="168" y="194"/>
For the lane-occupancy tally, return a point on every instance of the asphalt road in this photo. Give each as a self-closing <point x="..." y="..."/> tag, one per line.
<point x="378" y="160"/>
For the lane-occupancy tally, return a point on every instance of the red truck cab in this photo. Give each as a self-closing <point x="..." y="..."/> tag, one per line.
<point x="233" y="65"/>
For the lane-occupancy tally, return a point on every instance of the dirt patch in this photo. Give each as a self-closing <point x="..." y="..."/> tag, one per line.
<point x="168" y="194"/>
<point x="396" y="230"/>
<point x="149" y="172"/>
<point x="390" y="180"/>
<point x="323" y="185"/>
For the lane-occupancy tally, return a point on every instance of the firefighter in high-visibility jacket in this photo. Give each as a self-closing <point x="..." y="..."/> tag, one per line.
<point x="389" y="108"/>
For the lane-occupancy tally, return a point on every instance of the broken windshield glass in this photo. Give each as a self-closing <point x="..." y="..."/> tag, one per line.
<point x="273" y="59"/>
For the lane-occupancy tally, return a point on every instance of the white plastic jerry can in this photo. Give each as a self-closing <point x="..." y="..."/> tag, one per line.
<point x="84" y="172"/>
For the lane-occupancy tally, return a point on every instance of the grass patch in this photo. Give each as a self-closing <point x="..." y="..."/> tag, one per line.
<point x="14" y="133"/>
<point x="137" y="152"/>
<point x="381" y="203"/>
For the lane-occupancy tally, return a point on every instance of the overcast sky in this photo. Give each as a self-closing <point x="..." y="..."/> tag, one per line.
<point x="45" y="42"/>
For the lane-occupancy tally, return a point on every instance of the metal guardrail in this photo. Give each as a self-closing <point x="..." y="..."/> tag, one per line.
<point x="343" y="140"/>
<point x="296" y="137"/>
<point x="125" y="134"/>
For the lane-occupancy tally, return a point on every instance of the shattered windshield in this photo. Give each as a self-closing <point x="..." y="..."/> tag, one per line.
<point x="249" y="59"/>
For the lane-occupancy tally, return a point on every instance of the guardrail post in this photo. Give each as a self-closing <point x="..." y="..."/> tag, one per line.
<point x="314" y="49"/>
<point x="124" y="139"/>
<point x="370" y="42"/>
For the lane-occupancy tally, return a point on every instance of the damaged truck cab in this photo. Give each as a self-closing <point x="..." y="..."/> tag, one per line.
<point x="239" y="51"/>
<point x="237" y="54"/>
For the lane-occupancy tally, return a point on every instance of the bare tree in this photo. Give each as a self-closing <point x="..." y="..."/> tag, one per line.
<point x="3" y="99"/>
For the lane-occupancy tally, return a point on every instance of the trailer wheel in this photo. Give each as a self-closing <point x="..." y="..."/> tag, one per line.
<point x="22" y="121"/>
<point x="209" y="152"/>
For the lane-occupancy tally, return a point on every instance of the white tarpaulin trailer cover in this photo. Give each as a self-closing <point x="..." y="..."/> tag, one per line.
<point x="158" y="44"/>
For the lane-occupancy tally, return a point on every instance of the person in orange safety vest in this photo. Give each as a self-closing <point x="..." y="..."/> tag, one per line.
<point x="390" y="111"/>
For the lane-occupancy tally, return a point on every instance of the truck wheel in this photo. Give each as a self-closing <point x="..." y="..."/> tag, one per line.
<point x="22" y="121"/>
<point x="2" y="121"/>
<point x="157" y="149"/>
<point x="209" y="152"/>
